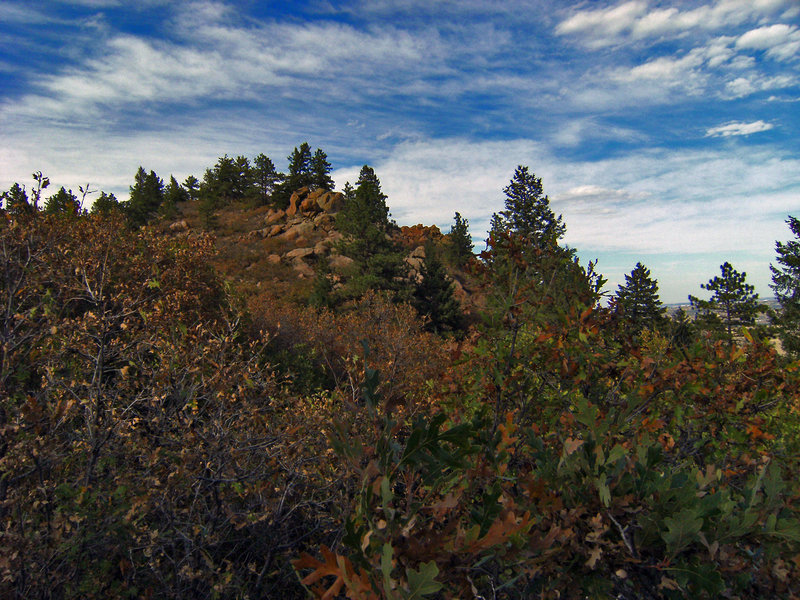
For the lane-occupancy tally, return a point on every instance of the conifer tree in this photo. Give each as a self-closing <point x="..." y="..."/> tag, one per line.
<point x="460" y="249"/>
<point x="266" y="178"/>
<point x="63" y="202"/>
<point x="15" y="200"/>
<point x="173" y="195"/>
<point x="637" y="302"/>
<point x="147" y="194"/>
<point x="364" y="221"/>
<point x="786" y="285"/>
<point x="322" y="295"/>
<point x="433" y="296"/>
<point x="528" y="214"/>
<point x="320" y="171"/>
<point x="299" y="168"/>
<point x="244" y="180"/>
<point x="105" y="204"/>
<point x="733" y="302"/>
<point x="192" y="187"/>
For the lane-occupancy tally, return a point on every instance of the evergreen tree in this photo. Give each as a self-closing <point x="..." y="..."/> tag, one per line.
<point x="733" y="302"/>
<point x="637" y="302"/>
<point x="681" y="328"/>
<point x="173" y="194"/>
<point x="244" y="181"/>
<point x="786" y="285"/>
<point x="192" y="187"/>
<point x="433" y="296"/>
<point x="265" y="177"/>
<point x="15" y="200"/>
<point x="222" y="182"/>
<point x="105" y="204"/>
<point x="364" y="221"/>
<point x="322" y="290"/>
<point x="523" y="251"/>
<point x="146" y="197"/>
<point x="300" y="174"/>
<point x="461" y="246"/>
<point x="320" y="172"/>
<point x="63" y="202"/>
<point x="528" y="214"/>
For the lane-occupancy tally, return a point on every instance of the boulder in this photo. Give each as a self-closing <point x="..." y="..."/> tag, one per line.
<point x="415" y="263"/>
<point x="179" y="226"/>
<point x="321" y="248"/>
<point x="274" y="230"/>
<point x="323" y="220"/>
<point x="333" y="237"/>
<point x="273" y="259"/>
<point x="340" y="263"/>
<point x="331" y="201"/>
<point x="303" y="270"/>
<point x="296" y="200"/>
<point x="309" y="205"/>
<point x="302" y="230"/>
<point x="273" y="216"/>
<point x="300" y="253"/>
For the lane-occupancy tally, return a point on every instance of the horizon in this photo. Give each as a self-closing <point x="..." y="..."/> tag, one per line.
<point x="664" y="132"/>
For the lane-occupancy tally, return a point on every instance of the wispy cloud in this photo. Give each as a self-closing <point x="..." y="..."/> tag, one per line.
<point x="780" y="41"/>
<point x="730" y="129"/>
<point x="636" y="20"/>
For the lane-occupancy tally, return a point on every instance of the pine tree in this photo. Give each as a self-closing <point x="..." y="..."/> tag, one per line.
<point x="322" y="295"/>
<point x="320" y="172"/>
<point x="433" y="296"/>
<point x="266" y="178"/>
<point x="299" y="168"/>
<point x="733" y="302"/>
<point x="460" y="248"/>
<point x="147" y="194"/>
<point x="105" y="204"/>
<point x="786" y="285"/>
<point x="523" y="250"/>
<point x="637" y="302"/>
<point x="192" y="187"/>
<point x="173" y="195"/>
<point x="15" y="200"/>
<point x="364" y="221"/>
<point x="63" y="202"/>
<point x="244" y="180"/>
<point x="528" y="214"/>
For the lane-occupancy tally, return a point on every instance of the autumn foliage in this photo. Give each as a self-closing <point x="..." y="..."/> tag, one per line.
<point x="163" y="436"/>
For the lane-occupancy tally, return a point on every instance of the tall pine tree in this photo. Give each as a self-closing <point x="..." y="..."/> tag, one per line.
<point x="147" y="194"/>
<point x="786" y="285"/>
<point x="460" y="242"/>
<point x="637" y="302"/>
<point x="733" y="302"/>
<point x="434" y="298"/>
<point x="320" y="172"/>
<point x="364" y="220"/>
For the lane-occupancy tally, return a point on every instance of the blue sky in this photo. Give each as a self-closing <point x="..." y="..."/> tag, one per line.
<point x="664" y="132"/>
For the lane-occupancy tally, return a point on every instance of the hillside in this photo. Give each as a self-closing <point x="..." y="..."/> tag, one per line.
<point x="179" y="419"/>
<point x="263" y="248"/>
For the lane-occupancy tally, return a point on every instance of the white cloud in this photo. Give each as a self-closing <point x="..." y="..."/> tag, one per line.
<point x="604" y="24"/>
<point x="736" y="128"/>
<point x="782" y="42"/>
<point x="636" y="20"/>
